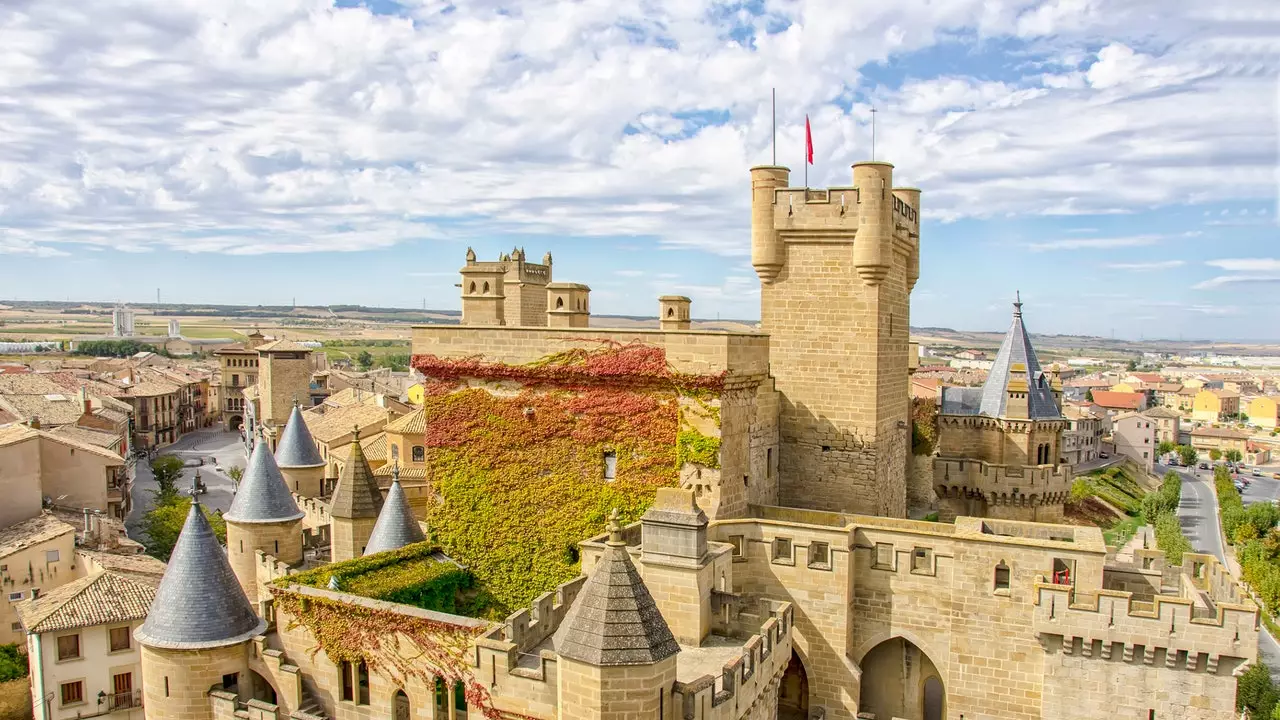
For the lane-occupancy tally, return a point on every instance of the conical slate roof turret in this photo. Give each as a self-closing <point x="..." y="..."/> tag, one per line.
<point x="614" y="620"/>
<point x="357" y="494"/>
<point x="263" y="496"/>
<point x="297" y="449"/>
<point x="199" y="604"/>
<point x="396" y="526"/>
<point x="1017" y="360"/>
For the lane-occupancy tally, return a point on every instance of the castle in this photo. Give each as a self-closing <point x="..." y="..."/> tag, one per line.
<point x="758" y="562"/>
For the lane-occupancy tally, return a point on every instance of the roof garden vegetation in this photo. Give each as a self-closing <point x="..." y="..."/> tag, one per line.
<point x="416" y="575"/>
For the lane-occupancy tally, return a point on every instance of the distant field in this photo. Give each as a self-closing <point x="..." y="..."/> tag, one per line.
<point x="212" y="331"/>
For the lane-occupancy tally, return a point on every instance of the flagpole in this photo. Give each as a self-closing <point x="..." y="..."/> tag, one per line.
<point x="775" y="126"/>
<point x="873" y="132"/>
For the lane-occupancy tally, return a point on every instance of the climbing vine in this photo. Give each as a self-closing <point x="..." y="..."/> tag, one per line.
<point x="354" y="633"/>
<point x="522" y="474"/>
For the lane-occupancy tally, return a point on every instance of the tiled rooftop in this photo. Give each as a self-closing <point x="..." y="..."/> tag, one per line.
<point x="98" y="599"/>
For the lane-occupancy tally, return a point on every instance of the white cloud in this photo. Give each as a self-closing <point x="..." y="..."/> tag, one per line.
<point x="1247" y="271"/>
<point x="1147" y="266"/>
<point x="291" y="126"/>
<point x="629" y="273"/>
<point x="1247" y="264"/>
<point x="1095" y="243"/>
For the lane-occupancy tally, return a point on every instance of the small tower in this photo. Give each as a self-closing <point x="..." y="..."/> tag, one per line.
<point x="483" y="293"/>
<point x="396" y="526"/>
<point x="263" y="516"/>
<point x="674" y="544"/>
<point x="673" y="312"/>
<point x="355" y="507"/>
<point x="197" y="631"/>
<point x="617" y="657"/>
<point x="568" y="305"/>
<point x="284" y="375"/>
<point x="298" y="459"/>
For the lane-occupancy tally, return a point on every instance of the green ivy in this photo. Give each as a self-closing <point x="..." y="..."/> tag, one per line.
<point x="410" y="576"/>
<point x="694" y="447"/>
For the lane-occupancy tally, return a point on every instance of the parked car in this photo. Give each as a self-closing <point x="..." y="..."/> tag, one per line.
<point x="1256" y="473"/>
<point x="1204" y="466"/>
<point x="1103" y="456"/>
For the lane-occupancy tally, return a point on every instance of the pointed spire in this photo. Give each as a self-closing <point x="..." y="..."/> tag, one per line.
<point x="263" y="496"/>
<point x="199" y="604"/>
<point x="471" y="255"/>
<point x="396" y="526"/>
<point x="1017" y="304"/>
<point x="1016" y="362"/>
<point x="297" y="449"/>
<point x="614" y="620"/>
<point x="357" y="494"/>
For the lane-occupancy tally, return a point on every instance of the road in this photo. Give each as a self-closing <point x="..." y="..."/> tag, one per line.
<point x="1198" y="514"/>
<point x="226" y="449"/>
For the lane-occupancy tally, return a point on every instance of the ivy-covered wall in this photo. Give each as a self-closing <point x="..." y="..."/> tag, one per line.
<point x="517" y="455"/>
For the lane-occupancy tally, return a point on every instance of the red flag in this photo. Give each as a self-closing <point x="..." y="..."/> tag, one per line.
<point x="808" y="141"/>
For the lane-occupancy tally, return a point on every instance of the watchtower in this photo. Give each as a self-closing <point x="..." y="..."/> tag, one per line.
<point x="284" y="376"/>
<point x="837" y="266"/>
<point x="525" y="287"/>
<point x="673" y="312"/>
<point x="568" y="305"/>
<point x="483" y="292"/>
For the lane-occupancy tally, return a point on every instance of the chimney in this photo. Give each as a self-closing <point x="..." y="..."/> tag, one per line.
<point x="673" y="312"/>
<point x="35" y="423"/>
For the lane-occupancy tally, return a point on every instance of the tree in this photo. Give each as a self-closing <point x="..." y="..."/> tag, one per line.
<point x="13" y="662"/>
<point x="1255" y="692"/>
<point x="1215" y="454"/>
<point x="1233" y="456"/>
<point x="364" y="359"/>
<point x="1088" y="395"/>
<point x="1166" y="447"/>
<point x="235" y="472"/>
<point x="166" y="469"/>
<point x="1133" y="365"/>
<point x="1187" y="455"/>
<point x="164" y="522"/>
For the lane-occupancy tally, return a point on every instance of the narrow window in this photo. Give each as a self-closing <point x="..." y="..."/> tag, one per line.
<point x="473" y="288"/>
<point x="610" y="465"/>
<point x="231" y="682"/>
<point x="459" y="697"/>
<point x="739" y="544"/>
<point x="166" y="686"/>
<point x="348" y="689"/>
<point x="1002" y="576"/>
<point x="768" y="463"/>
<point x="819" y="555"/>
<point x="419" y="453"/>
<point x="921" y="560"/>
<point x="362" y="679"/>
<point x="782" y="550"/>
<point x="559" y="303"/>
<point x="486" y="288"/>
<point x="277" y="547"/>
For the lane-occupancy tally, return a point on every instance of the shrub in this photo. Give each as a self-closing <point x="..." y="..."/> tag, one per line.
<point x="13" y="662"/>
<point x="1215" y="455"/>
<point x="1256" y="692"/>
<point x="1081" y="490"/>
<point x="1164" y="499"/>
<point x="1170" y="539"/>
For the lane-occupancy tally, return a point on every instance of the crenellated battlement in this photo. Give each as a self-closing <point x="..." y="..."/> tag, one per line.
<point x="515" y="643"/>
<point x="1187" y="632"/>
<point x="743" y="679"/>
<point x="1002" y="484"/>
<point x="316" y="511"/>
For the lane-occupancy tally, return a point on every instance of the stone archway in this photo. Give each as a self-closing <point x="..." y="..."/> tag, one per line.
<point x="793" y="692"/>
<point x="400" y="706"/>
<point x="235" y="422"/>
<point x="900" y="681"/>
<point x="260" y="688"/>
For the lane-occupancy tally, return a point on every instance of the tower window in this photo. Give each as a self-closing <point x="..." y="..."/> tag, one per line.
<point x="610" y="465"/>
<point x="559" y="303"/>
<point x="419" y="453"/>
<point x="473" y="288"/>
<point x="1002" y="577"/>
<point x="782" y="551"/>
<point x="883" y="557"/>
<point x="819" y="555"/>
<point x="486" y="288"/>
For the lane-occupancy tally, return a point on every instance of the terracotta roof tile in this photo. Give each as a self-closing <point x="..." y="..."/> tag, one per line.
<point x="98" y="599"/>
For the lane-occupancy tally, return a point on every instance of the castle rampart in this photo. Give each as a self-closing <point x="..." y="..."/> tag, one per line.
<point x="1018" y="492"/>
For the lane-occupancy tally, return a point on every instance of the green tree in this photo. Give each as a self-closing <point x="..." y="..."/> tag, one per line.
<point x="1233" y="456"/>
<point x="166" y="469"/>
<point x="1165" y="447"/>
<point x="13" y="662"/>
<point x="1133" y="365"/>
<point x="1215" y="454"/>
<point x="162" y="524"/>
<point x="1187" y="455"/>
<point x="235" y="472"/>
<point x="1256" y="692"/>
<point x="1088" y="395"/>
<point x="398" y="362"/>
<point x="364" y="359"/>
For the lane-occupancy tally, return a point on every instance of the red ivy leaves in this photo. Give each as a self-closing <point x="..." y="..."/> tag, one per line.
<point x="613" y="364"/>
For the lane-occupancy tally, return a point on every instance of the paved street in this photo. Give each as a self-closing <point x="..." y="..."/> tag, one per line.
<point x="224" y="447"/>
<point x="1198" y="513"/>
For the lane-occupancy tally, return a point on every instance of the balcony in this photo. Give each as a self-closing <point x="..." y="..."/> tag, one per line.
<point x="120" y="701"/>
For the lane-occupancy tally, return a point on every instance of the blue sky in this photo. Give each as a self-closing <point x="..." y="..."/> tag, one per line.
<point x="1114" y="160"/>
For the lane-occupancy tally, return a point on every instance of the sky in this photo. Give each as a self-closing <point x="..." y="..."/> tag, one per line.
<point x="1113" y="160"/>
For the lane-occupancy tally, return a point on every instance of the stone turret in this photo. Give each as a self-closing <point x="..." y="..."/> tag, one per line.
<point x="263" y="516"/>
<point x="357" y="500"/>
<point x="617" y="657"/>
<point x="396" y="526"/>
<point x="483" y="294"/>
<point x="568" y="305"/>
<point x="298" y="459"/>
<point x="673" y="312"/>
<point x="196" y="635"/>
<point x="675" y="557"/>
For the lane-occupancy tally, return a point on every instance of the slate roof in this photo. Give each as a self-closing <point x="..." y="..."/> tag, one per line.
<point x="99" y="599"/>
<point x="199" y="604"/>
<point x="992" y="399"/>
<point x="614" y="620"/>
<point x="357" y="494"/>
<point x="396" y="526"/>
<point x="263" y="496"/>
<point x="296" y="448"/>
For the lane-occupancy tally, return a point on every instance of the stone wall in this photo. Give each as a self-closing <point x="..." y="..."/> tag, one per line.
<point x="920" y="492"/>
<point x="284" y="378"/>
<point x="176" y="683"/>
<point x="245" y="540"/>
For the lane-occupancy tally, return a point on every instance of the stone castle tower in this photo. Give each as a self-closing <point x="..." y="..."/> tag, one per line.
<point x="284" y="378"/>
<point x="999" y="445"/>
<point x="508" y="291"/>
<point x="837" y="267"/>
<point x="196" y="634"/>
<point x="355" y="506"/>
<point x="298" y="459"/>
<point x="263" y="516"/>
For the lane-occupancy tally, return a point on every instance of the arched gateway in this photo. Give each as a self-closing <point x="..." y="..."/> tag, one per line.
<point x="900" y="681"/>
<point x="793" y="693"/>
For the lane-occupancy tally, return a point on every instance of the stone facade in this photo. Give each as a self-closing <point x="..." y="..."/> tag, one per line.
<point x="176" y="683"/>
<point x="281" y="540"/>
